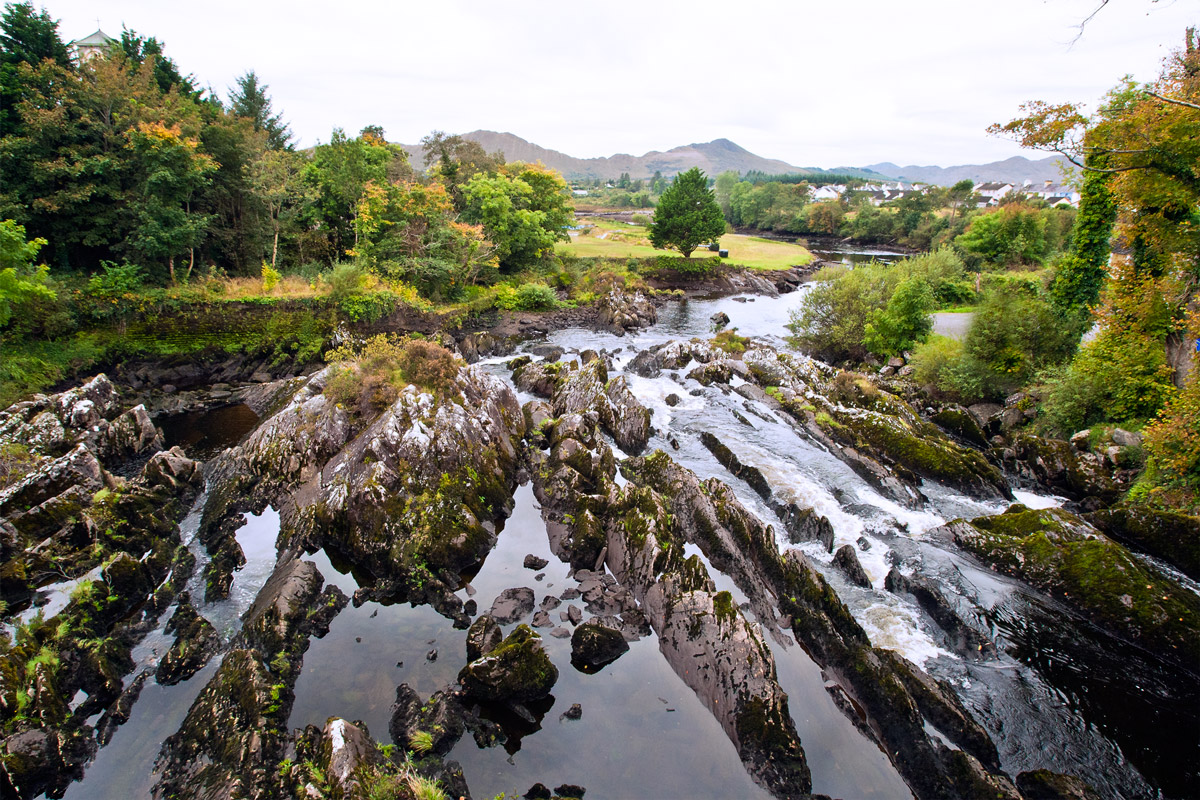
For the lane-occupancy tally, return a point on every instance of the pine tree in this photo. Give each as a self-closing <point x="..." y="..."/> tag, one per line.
<point x="686" y="215"/>
<point x="250" y="100"/>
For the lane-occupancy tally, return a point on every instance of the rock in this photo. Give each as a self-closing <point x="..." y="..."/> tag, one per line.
<point x="574" y="712"/>
<point x="517" y="669"/>
<point x="1081" y="441"/>
<point x="541" y="619"/>
<point x="77" y="468"/>
<point x="719" y="320"/>
<point x="895" y="362"/>
<point x="512" y="605"/>
<point x="574" y="615"/>
<point x="195" y="641"/>
<point x="887" y="370"/>
<point x="1042" y="784"/>
<point x="847" y="560"/>
<point x="482" y="637"/>
<point x="32" y="761"/>
<point x="906" y="371"/>
<point x="621" y="312"/>
<point x="1173" y="537"/>
<point x="594" y="647"/>
<point x="130" y="434"/>
<point x="442" y="717"/>
<point x="1124" y="438"/>
<point x="534" y="563"/>
<point x="351" y="753"/>
<point x="569" y="790"/>
<point x="538" y="791"/>
<point x="672" y="399"/>
<point x="173" y="470"/>
<point x="549" y="352"/>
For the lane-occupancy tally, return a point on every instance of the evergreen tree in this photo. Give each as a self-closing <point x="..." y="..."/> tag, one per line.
<point x="26" y="37"/>
<point x="686" y="215"/>
<point x="250" y="100"/>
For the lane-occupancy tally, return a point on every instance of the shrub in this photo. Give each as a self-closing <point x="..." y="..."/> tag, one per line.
<point x="831" y="320"/>
<point x="1172" y="444"/>
<point x="529" y="297"/>
<point x="345" y="279"/>
<point x="932" y="362"/>
<point x="116" y="280"/>
<point x="904" y="322"/>
<point x="270" y="277"/>
<point x="368" y="379"/>
<point x="729" y="342"/>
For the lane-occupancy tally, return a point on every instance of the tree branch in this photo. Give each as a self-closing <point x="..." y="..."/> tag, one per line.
<point x="1173" y="101"/>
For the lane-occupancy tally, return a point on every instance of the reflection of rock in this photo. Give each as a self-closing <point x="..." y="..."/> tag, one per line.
<point x="482" y="637"/>
<point x="594" y="646"/>
<point x="517" y="669"/>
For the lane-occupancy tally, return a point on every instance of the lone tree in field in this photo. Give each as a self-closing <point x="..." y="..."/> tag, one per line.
<point x="687" y="214"/>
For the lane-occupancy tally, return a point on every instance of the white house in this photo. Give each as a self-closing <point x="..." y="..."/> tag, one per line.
<point x="992" y="192"/>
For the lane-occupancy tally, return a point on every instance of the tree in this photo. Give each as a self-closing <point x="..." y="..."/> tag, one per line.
<point x="454" y="160"/>
<point x="276" y="179"/>
<point x="26" y="37"/>
<point x="140" y="49"/>
<point x="687" y="215"/>
<point x="250" y="100"/>
<point x="523" y="209"/>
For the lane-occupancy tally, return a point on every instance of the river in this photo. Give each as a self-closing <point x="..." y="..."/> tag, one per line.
<point x="1069" y="700"/>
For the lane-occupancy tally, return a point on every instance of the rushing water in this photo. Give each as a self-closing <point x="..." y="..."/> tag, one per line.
<point x="643" y="732"/>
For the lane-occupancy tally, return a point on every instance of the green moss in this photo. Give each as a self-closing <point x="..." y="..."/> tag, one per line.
<point x="1096" y="575"/>
<point x="724" y="608"/>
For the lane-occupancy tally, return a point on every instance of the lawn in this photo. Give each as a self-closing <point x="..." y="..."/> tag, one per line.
<point x="619" y="240"/>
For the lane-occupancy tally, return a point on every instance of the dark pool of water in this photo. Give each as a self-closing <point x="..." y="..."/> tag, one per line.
<point x="204" y="434"/>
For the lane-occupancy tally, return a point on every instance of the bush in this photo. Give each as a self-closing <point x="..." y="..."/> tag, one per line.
<point x="116" y="280"/>
<point x="832" y="318"/>
<point x="933" y="361"/>
<point x="369" y="378"/>
<point x="529" y="297"/>
<point x="904" y="322"/>
<point x="345" y="279"/>
<point x="270" y="277"/>
<point x="1172" y="444"/>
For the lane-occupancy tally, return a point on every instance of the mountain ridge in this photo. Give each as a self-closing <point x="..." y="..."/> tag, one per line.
<point x="722" y="154"/>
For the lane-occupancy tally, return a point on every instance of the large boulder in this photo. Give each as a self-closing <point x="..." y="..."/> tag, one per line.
<point x="516" y="670"/>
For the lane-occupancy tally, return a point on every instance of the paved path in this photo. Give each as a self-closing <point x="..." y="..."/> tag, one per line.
<point x="952" y="325"/>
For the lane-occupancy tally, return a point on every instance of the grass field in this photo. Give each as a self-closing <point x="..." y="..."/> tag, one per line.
<point x="618" y="240"/>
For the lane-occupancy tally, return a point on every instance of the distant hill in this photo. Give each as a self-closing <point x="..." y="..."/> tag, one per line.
<point x="1017" y="169"/>
<point x="721" y="155"/>
<point x="713" y="157"/>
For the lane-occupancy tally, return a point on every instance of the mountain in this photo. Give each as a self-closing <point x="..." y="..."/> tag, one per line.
<point x="721" y="155"/>
<point x="1017" y="169"/>
<point x="713" y="157"/>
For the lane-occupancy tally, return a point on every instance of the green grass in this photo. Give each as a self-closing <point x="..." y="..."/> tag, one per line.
<point x="629" y="241"/>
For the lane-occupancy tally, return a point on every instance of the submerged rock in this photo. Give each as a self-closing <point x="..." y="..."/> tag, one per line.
<point x="512" y="605"/>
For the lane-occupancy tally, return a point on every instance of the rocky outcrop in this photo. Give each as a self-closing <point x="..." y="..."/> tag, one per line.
<point x="589" y="390"/>
<point x="233" y="737"/>
<point x="1171" y="536"/>
<point x="621" y="311"/>
<point x="382" y="492"/>
<point x="195" y="641"/>
<point x="1060" y="553"/>
<point x="1055" y="466"/>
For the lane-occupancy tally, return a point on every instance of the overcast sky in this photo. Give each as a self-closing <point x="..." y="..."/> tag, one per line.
<point x="832" y="83"/>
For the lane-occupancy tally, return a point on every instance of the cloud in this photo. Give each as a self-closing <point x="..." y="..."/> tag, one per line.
<point x="813" y="84"/>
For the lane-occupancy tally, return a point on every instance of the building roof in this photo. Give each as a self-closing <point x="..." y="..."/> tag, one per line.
<point x="992" y="186"/>
<point x="97" y="39"/>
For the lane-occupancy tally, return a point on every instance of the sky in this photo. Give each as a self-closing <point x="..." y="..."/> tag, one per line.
<point x="820" y="84"/>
